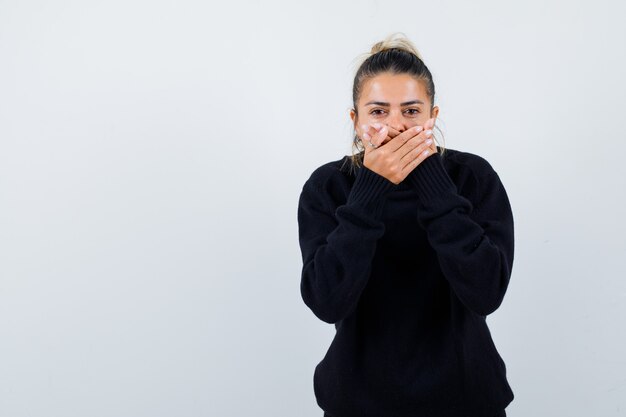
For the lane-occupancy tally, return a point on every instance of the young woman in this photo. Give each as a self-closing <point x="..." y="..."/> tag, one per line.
<point x="406" y="248"/>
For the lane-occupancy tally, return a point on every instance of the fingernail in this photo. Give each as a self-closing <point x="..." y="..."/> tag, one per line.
<point x="418" y="128"/>
<point x="429" y="141"/>
<point x="366" y="136"/>
<point x="428" y="133"/>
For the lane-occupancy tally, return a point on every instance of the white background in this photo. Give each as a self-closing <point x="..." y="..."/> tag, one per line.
<point x="151" y="158"/>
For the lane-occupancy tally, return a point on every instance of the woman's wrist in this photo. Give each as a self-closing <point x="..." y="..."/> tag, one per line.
<point x="431" y="178"/>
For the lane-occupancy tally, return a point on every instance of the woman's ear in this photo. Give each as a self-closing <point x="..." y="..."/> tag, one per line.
<point x="434" y="112"/>
<point x="354" y="120"/>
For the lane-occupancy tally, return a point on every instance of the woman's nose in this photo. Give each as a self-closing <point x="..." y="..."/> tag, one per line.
<point x="396" y="122"/>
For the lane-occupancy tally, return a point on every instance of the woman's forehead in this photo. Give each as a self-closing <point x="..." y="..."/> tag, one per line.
<point x="394" y="89"/>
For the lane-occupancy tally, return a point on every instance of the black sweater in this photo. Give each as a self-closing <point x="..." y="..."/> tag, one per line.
<point x="408" y="273"/>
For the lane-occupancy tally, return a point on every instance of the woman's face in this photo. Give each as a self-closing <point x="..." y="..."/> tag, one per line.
<point x="396" y="100"/>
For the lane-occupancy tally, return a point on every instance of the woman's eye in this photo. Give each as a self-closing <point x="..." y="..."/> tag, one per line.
<point x="377" y="112"/>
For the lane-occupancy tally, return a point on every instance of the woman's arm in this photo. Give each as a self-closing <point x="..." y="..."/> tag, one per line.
<point x="339" y="242"/>
<point x="473" y="241"/>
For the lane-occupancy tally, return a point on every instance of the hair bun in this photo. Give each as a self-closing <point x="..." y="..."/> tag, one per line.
<point x="397" y="40"/>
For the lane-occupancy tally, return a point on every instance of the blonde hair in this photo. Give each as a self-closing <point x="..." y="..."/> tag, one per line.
<point x="397" y="40"/>
<point x="398" y="55"/>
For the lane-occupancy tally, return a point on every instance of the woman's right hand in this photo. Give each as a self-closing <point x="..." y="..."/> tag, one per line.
<point x="397" y="157"/>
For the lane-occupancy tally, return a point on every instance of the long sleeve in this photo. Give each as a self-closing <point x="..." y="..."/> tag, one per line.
<point x="338" y="242"/>
<point x="474" y="242"/>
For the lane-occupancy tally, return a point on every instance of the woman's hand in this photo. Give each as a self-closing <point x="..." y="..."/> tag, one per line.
<point x="393" y="154"/>
<point x="392" y="133"/>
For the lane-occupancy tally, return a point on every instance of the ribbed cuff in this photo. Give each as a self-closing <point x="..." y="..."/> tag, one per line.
<point x="431" y="178"/>
<point x="369" y="188"/>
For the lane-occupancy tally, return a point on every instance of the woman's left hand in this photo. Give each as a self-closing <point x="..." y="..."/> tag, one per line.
<point x="392" y="133"/>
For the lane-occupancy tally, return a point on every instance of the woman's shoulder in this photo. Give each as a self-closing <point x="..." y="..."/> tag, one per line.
<point x="335" y="170"/>
<point x="468" y="160"/>
<point x="466" y="169"/>
<point x="473" y="174"/>
<point x="330" y="182"/>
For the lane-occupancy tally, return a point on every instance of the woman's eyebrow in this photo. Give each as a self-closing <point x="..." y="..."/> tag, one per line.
<point x="382" y="103"/>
